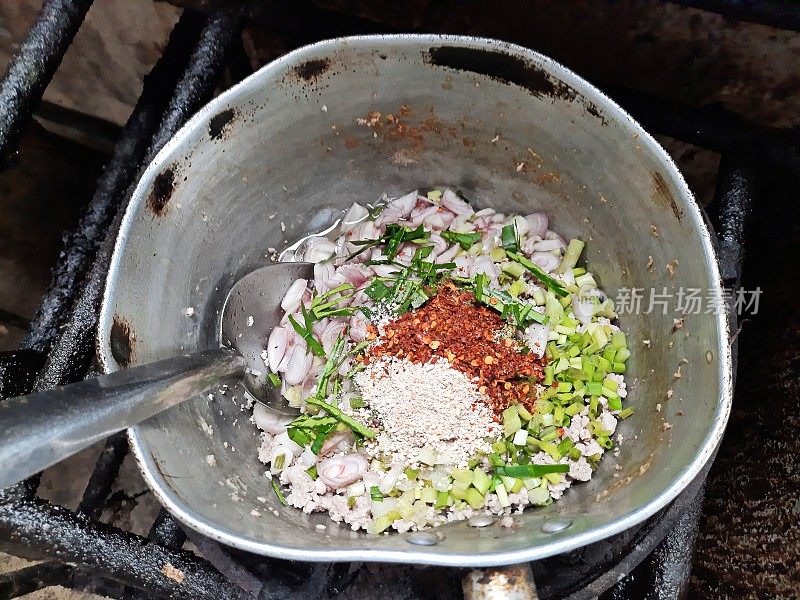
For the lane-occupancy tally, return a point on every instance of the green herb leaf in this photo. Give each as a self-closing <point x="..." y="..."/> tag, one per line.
<point x="307" y="429"/>
<point x="333" y="411"/>
<point x="551" y="283"/>
<point x="320" y="438"/>
<point x="394" y="237"/>
<point x="327" y="304"/>
<point x="312" y="472"/>
<point x="377" y="290"/>
<point x="308" y="336"/>
<point x="277" y="489"/>
<point x="465" y="240"/>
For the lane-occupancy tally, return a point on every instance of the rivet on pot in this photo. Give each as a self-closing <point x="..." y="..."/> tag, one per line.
<point x="709" y="357"/>
<point x="556" y="525"/>
<point x="424" y="538"/>
<point x="480" y="520"/>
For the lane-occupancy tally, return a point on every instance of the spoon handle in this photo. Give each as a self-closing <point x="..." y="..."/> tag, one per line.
<point x="38" y="430"/>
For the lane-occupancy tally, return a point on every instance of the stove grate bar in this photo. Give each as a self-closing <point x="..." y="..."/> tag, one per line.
<point x="81" y="245"/>
<point x="35" y="529"/>
<point x="33" y="67"/>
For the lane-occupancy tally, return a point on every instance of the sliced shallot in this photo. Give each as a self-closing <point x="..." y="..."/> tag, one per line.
<point x="339" y="471"/>
<point x="546" y="260"/>
<point x="355" y="215"/>
<point x="276" y="347"/>
<point x="451" y="201"/>
<point x="267" y="420"/>
<point x="291" y="301"/>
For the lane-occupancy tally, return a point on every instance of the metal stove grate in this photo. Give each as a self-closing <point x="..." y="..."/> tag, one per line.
<point x="81" y="552"/>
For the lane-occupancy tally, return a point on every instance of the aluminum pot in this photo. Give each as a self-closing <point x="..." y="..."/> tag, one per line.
<point x="282" y="154"/>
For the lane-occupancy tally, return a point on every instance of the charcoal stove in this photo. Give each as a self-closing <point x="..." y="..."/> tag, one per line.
<point x="650" y="561"/>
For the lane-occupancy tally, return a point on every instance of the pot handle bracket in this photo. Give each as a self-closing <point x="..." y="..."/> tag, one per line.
<point x="729" y="216"/>
<point x="512" y="582"/>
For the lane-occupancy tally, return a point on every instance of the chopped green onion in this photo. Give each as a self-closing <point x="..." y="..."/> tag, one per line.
<point x="511" y="421"/>
<point x="383" y="522"/>
<point x="508" y="238"/>
<point x="462" y="475"/>
<point x="312" y="472"/>
<point x="274" y="379"/>
<point x="475" y="498"/>
<point x="375" y="493"/>
<point x="411" y="473"/>
<point x="565" y="446"/>
<point x="434" y="195"/>
<point x="625" y="413"/>
<point x="279" y="461"/>
<point x="526" y="471"/>
<point x="481" y="480"/>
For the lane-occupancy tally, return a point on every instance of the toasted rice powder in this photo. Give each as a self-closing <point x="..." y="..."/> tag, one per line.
<point x="423" y="405"/>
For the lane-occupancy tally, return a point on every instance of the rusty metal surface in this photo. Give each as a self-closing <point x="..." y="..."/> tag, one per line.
<point x="563" y="148"/>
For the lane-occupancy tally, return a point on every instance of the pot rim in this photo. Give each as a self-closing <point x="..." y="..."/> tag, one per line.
<point x="559" y="543"/>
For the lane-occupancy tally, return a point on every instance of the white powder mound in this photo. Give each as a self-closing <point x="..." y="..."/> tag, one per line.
<point x="425" y="405"/>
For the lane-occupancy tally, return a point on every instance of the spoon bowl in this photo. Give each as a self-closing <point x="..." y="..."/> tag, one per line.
<point x="250" y="313"/>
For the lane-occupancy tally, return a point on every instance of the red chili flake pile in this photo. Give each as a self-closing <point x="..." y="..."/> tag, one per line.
<point x="452" y="326"/>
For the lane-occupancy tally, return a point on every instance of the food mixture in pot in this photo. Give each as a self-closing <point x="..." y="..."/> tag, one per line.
<point x="446" y="362"/>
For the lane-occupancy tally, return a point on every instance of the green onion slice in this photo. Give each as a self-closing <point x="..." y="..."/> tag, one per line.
<point x="523" y="471"/>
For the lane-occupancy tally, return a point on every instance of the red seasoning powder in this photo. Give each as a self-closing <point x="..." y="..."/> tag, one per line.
<point x="453" y="327"/>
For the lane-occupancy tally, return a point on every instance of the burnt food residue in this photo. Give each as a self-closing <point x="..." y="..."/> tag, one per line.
<point x="310" y="70"/>
<point x="163" y="186"/>
<point x="507" y="68"/>
<point x="662" y="194"/>
<point x="220" y="123"/>
<point x="122" y="341"/>
<point x="501" y="66"/>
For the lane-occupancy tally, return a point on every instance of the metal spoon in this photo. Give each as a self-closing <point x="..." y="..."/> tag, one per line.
<point x="39" y="430"/>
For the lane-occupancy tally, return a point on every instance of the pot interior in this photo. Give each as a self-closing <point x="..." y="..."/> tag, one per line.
<point x="284" y="153"/>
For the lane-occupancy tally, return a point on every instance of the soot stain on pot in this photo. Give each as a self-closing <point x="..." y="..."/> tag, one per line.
<point x="662" y="194"/>
<point x="163" y="187"/>
<point x="311" y="70"/>
<point x="122" y="341"/>
<point x="507" y="68"/>
<point x="219" y="125"/>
